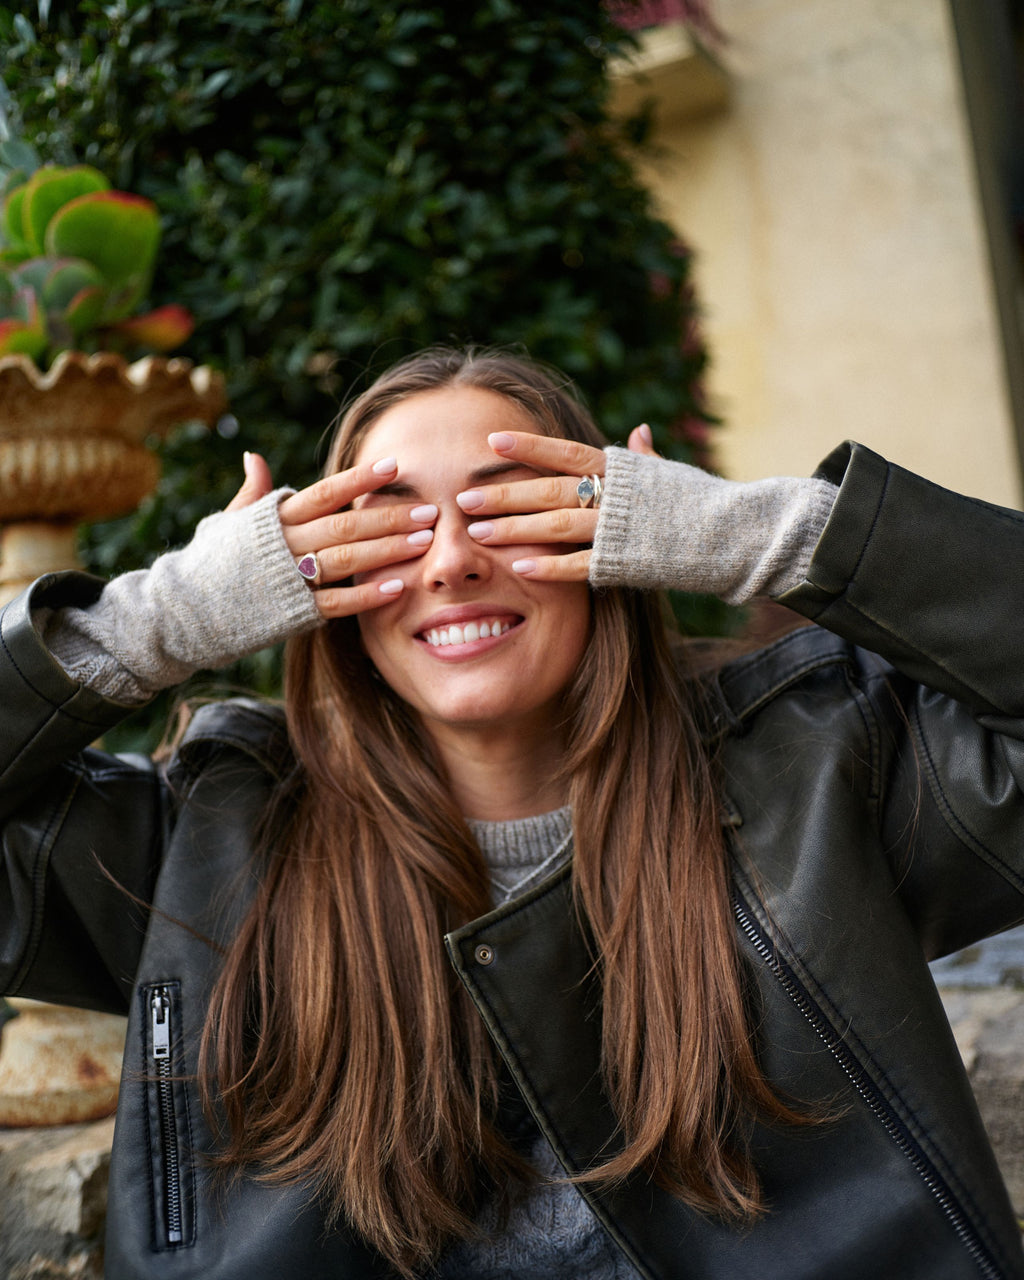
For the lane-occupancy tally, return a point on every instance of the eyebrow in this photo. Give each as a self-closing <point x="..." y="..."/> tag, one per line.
<point x="482" y="475"/>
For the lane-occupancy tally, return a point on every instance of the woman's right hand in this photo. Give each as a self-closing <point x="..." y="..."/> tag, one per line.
<point x="319" y="520"/>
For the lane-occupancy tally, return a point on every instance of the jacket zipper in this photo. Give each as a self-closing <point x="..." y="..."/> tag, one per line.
<point x="869" y="1092"/>
<point x="160" y="1010"/>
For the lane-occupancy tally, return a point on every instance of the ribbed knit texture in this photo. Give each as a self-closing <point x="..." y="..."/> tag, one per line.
<point x="552" y="1234"/>
<point x="522" y="851"/>
<point x="667" y="524"/>
<point x="233" y="590"/>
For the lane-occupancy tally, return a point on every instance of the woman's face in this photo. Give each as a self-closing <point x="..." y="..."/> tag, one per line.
<point x="469" y="643"/>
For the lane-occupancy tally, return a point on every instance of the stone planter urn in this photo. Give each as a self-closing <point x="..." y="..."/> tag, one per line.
<point x="73" y="448"/>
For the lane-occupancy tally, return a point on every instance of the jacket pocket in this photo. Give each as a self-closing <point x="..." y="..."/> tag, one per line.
<point x="167" y="1114"/>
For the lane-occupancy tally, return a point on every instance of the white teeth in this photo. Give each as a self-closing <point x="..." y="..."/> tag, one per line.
<point x="438" y="637"/>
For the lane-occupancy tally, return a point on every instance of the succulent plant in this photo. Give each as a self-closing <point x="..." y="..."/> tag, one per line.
<point x="76" y="261"/>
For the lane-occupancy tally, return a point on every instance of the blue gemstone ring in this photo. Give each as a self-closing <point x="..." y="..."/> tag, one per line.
<point x="589" y="490"/>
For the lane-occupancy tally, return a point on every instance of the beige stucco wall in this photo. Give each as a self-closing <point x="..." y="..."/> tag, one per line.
<point x="840" y="254"/>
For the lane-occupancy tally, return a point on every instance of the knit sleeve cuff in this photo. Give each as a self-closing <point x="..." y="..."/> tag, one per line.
<point x="667" y="524"/>
<point x="614" y="560"/>
<point x="233" y="590"/>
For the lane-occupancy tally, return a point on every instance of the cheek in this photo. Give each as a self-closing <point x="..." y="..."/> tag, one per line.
<point x="570" y="621"/>
<point x="373" y="637"/>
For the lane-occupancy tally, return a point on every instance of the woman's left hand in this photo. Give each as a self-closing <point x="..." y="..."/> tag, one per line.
<point x="546" y="509"/>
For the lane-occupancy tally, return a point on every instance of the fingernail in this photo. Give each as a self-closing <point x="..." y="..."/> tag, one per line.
<point x="247" y="462"/>
<point x="645" y="433"/>
<point x="524" y="566"/>
<point x="482" y="529"/>
<point x="392" y="587"/>
<point x="470" y="500"/>
<point x="427" y="512"/>
<point x="421" y="538"/>
<point x="384" y="467"/>
<point x="501" y="440"/>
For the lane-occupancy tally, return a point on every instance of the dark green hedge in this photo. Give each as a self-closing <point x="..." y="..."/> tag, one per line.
<point x="344" y="182"/>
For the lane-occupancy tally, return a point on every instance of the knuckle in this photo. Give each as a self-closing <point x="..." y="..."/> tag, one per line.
<point x="582" y="456"/>
<point x="562" y="521"/>
<point x="339" y="526"/>
<point x="343" y="562"/>
<point x="327" y="601"/>
<point x="497" y="497"/>
<point x="321" y="491"/>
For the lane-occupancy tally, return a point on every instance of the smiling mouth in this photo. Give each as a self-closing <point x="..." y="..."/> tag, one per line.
<point x="467" y="632"/>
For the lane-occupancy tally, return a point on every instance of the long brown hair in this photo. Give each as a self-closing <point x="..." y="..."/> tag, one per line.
<point x="343" y="1048"/>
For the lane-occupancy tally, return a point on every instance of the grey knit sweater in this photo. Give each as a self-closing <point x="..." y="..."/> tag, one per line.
<point x="234" y="589"/>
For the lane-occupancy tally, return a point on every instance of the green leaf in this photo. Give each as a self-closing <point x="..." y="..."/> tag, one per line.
<point x="119" y="234"/>
<point x="12" y="232"/>
<point x="64" y="280"/>
<point x="24" y="333"/>
<point x="83" y="312"/>
<point x="47" y="191"/>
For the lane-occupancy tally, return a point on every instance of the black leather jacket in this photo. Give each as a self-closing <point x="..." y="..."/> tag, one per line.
<point x="874" y="813"/>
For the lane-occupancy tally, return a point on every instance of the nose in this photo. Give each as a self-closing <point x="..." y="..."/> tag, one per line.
<point x="453" y="558"/>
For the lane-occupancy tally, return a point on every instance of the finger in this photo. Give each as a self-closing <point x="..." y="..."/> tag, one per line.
<point x="549" y="452"/>
<point x="572" y="567"/>
<point x="359" y="525"/>
<point x="341" y="562"/>
<point x="258" y="482"/>
<point x="338" y="490"/>
<point x="545" y="494"/>
<point x="642" y="441"/>
<point x="343" y="602"/>
<point x="564" y="525"/>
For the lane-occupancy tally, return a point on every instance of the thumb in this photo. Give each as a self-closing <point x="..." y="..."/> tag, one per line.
<point x="641" y="441"/>
<point x="258" y="481"/>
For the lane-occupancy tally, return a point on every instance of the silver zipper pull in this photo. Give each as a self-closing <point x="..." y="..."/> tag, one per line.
<point x="160" y="1007"/>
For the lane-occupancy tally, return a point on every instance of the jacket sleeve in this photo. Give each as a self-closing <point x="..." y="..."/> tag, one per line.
<point x="933" y="582"/>
<point x="82" y="831"/>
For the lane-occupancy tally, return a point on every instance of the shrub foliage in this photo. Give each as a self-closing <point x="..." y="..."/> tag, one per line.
<point x="343" y="181"/>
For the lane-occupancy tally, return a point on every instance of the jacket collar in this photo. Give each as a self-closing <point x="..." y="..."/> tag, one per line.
<point x="740" y="688"/>
<point x="245" y="724"/>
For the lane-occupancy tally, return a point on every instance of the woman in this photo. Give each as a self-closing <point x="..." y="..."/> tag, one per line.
<point x="516" y="892"/>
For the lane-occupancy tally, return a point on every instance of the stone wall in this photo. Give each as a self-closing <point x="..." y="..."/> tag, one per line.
<point x="53" y="1196"/>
